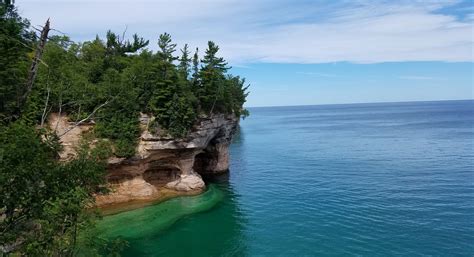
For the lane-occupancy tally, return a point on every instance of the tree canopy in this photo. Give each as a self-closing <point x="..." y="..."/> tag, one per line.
<point x="130" y="79"/>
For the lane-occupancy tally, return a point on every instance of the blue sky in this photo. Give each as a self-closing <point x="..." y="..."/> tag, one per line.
<point x="302" y="52"/>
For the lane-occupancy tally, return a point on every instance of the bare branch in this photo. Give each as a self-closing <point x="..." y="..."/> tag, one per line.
<point x="43" y="116"/>
<point x="37" y="29"/>
<point x="60" y="110"/>
<point x="123" y="35"/>
<point x="79" y="112"/>
<point x="42" y="62"/>
<point x="85" y="119"/>
<point x="34" y="64"/>
<point x="60" y="32"/>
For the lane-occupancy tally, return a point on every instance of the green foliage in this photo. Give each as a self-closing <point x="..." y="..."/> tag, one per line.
<point x="110" y="82"/>
<point x="22" y="170"/>
<point x="195" y="76"/>
<point x="211" y="92"/>
<point x="119" y="46"/>
<point x="43" y="200"/>
<point x="122" y="129"/>
<point x="15" y="44"/>
<point x="166" y="48"/>
<point x="181" y="114"/>
<point x="184" y="63"/>
<point x="92" y="245"/>
<point x="219" y="92"/>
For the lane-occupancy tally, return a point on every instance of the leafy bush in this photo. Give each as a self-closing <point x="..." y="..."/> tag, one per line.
<point x="43" y="200"/>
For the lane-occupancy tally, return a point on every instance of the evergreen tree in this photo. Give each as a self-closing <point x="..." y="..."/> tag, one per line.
<point x="168" y="86"/>
<point x="196" y="63"/>
<point x="16" y="42"/>
<point x="212" y="62"/>
<point x="120" y="46"/>
<point x="195" y="76"/>
<point x="184" y="62"/>
<point x="117" y="48"/>
<point x="212" y="77"/>
<point x="166" y="48"/>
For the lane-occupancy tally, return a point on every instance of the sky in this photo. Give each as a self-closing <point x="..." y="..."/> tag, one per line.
<point x="298" y="52"/>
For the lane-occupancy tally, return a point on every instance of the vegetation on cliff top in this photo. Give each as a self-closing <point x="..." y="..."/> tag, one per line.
<point x="108" y="81"/>
<point x="116" y="79"/>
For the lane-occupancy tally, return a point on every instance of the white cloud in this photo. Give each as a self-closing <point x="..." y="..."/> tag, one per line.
<point x="281" y="32"/>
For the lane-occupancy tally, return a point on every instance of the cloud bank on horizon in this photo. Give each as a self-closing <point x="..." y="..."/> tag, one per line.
<point x="287" y="31"/>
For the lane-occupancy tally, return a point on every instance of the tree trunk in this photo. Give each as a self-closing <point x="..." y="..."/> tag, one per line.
<point x="34" y="64"/>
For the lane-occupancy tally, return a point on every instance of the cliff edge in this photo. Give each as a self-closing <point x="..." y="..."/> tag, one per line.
<point x="162" y="166"/>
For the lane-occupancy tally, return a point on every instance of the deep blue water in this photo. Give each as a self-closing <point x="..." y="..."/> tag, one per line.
<point x="385" y="179"/>
<point x="391" y="179"/>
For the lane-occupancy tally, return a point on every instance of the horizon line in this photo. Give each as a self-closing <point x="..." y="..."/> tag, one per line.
<point x="355" y="103"/>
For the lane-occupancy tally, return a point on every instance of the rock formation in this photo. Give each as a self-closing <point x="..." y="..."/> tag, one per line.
<point x="162" y="166"/>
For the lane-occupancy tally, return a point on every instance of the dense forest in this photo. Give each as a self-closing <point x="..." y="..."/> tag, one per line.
<point x="108" y="82"/>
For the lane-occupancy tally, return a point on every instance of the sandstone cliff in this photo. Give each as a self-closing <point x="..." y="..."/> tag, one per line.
<point x="162" y="166"/>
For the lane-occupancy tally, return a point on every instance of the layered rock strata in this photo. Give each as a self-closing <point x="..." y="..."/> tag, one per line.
<point x="163" y="166"/>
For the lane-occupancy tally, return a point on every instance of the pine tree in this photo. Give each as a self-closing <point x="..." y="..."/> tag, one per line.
<point x="184" y="62"/>
<point x="166" y="47"/>
<point x="212" y="62"/>
<point x="196" y="64"/>
<point x="212" y="77"/>
<point x="119" y="46"/>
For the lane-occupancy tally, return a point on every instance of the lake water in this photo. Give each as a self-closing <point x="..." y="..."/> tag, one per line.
<point x="391" y="179"/>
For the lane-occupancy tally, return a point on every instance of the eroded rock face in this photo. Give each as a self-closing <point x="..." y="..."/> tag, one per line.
<point x="136" y="188"/>
<point x="163" y="163"/>
<point x="214" y="159"/>
<point x="73" y="136"/>
<point x="187" y="182"/>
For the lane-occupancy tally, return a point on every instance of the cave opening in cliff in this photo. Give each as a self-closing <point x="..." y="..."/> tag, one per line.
<point x="214" y="159"/>
<point x="202" y="162"/>
<point x="160" y="176"/>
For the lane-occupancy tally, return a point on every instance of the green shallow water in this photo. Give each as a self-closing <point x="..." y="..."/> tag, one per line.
<point x="147" y="221"/>
<point x="154" y="230"/>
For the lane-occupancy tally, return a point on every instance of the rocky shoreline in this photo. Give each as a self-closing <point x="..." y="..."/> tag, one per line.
<point x="163" y="167"/>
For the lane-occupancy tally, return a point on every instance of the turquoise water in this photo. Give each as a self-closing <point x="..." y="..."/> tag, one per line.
<point x="391" y="179"/>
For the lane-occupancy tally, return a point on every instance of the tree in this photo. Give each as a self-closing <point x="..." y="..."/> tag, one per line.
<point x="212" y="62"/>
<point x="172" y="101"/>
<point x="117" y="45"/>
<point x="32" y="73"/>
<point x="184" y="62"/>
<point x="166" y="48"/>
<point x="195" y="76"/>
<point x="212" y="77"/>
<point x="16" y="42"/>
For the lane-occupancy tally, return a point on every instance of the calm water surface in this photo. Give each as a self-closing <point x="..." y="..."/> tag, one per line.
<point x="392" y="179"/>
